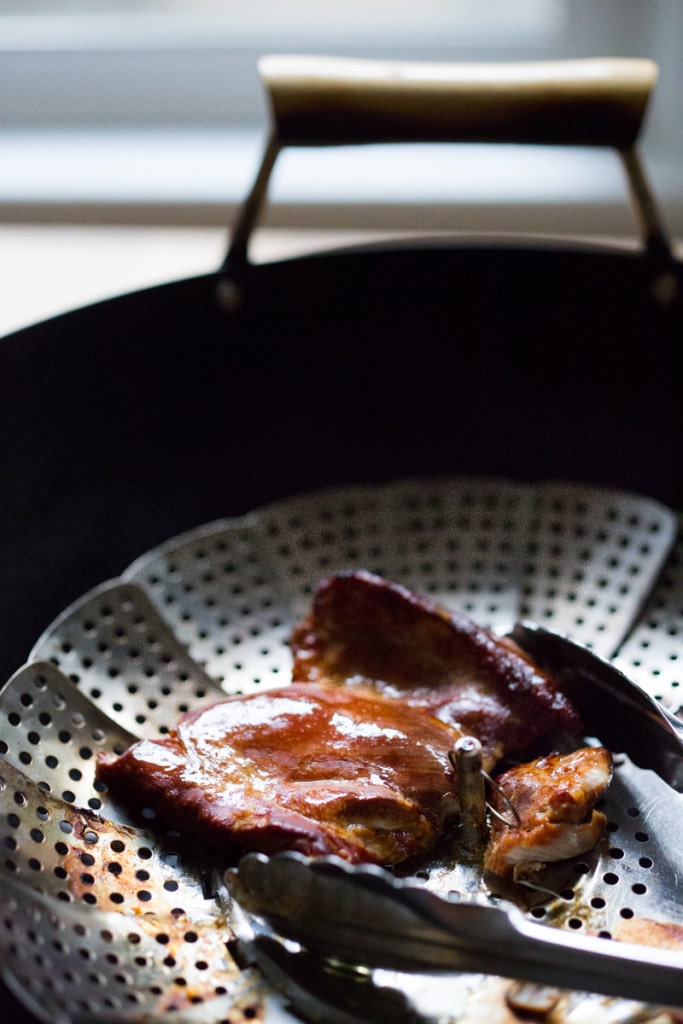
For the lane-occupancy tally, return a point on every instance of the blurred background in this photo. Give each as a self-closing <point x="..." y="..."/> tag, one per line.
<point x="130" y="115"/>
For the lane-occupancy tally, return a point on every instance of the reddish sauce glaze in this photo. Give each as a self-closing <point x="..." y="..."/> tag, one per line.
<point x="362" y="629"/>
<point x="320" y="769"/>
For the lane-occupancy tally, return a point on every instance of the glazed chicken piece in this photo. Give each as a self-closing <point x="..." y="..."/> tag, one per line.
<point x="307" y="767"/>
<point x="551" y="812"/>
<point x="362" y="629"/>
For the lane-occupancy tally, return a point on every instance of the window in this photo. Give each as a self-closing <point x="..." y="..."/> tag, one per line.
<point x="166" y="63"/>
<point x="157" y="106"/>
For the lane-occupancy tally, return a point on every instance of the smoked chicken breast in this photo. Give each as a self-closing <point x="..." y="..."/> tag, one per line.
<point x="307" y="767"/>
<point x="364" y="630"/>
<point x="351" y="758"/>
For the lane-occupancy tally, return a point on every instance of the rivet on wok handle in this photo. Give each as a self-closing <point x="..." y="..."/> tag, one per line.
<point x="328" y="101"/>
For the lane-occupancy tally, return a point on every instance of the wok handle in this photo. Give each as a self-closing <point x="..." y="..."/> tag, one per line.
<point x="325" y="101"/>
<point x="329" y="101"/>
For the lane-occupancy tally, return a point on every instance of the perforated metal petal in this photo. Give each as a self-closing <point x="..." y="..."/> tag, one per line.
<point x="107" y="918"/>
<point x="116" y="647"/>
<point x="220" y="596"/>
<point x="459" y="541"/>
<point x="653" y="653"/>
<point x="51" y="731"/>
<point x="72" y="853"/>
<point x="594" y="557"/>
<point x="581" y="560"/>
<point x="103" y="966"/>
<point x="139" y="899"/>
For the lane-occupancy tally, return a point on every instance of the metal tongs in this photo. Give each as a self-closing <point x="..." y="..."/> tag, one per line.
<point x="365" y="916"/>
<point x="362" y="915"/>
<point x="625" y="718"/>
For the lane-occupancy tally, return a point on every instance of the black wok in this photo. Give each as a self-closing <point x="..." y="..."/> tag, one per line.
<point x="130" y="421"/>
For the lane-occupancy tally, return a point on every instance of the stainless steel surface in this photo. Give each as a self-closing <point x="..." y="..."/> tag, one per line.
<point x="653" y="650"/>
<point x="209" y="613"/>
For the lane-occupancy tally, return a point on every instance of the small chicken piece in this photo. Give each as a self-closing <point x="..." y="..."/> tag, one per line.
<point x="554" y="814"/>
<point x="363" y="629"/>
<point x="317" y="769"/>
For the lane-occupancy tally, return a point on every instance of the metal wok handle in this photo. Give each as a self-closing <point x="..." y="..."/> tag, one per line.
<point x="335" y="101"/>
<point x="327" y="101"/>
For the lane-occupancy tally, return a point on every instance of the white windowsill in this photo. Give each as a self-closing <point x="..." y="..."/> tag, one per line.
<point x="199" y="178"/>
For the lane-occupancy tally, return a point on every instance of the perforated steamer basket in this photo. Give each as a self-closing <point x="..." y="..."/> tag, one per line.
<point x="106" y="916"/>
